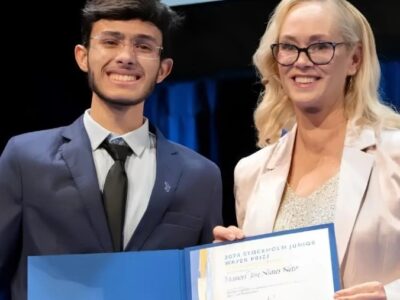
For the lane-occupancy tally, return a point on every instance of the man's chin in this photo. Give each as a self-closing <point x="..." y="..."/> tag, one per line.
<point x="120" y="102"/>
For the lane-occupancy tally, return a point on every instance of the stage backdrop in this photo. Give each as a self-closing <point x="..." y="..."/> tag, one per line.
<point x="213" y="115"/>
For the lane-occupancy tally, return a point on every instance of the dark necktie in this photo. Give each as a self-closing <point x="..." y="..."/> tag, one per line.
<point x="115" y="190"/>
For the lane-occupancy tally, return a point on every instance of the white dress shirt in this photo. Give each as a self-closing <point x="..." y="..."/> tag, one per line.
<point x="140" y="167"/>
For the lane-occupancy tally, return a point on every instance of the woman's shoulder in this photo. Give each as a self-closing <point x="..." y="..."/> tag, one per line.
<point x="253" y="158"/>
<point x="390" y="137"/>
<point x="373" y="136"/>
<point x="389" y="142"/>
<point x="257" y="161"/>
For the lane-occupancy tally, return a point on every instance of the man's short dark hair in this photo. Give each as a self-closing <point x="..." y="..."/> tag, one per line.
<point x="163" y="17"/>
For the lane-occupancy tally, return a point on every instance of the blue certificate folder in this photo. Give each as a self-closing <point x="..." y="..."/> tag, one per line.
<point x="150" y="275"/>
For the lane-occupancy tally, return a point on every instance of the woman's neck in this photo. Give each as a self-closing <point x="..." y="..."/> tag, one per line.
<point x="317" y="152"/>
<point x="321" y="134"/>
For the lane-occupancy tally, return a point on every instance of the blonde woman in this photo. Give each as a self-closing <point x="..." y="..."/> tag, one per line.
<point x="330" y="148"/>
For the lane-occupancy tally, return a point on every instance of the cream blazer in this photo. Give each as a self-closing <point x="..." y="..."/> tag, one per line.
<point x="367" y="217"/>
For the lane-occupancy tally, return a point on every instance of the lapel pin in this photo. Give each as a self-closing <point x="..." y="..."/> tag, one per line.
<point x="167" y="187"/>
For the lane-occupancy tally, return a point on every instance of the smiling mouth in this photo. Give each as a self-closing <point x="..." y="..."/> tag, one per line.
<point x="305" y="79"/>
<point x="124" y="78"/>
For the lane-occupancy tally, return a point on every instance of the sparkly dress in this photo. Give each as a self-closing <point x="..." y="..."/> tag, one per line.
<point x="317" y="208"/>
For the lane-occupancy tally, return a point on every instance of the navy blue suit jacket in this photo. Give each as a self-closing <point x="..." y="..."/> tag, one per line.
<point x="50" y="201"/>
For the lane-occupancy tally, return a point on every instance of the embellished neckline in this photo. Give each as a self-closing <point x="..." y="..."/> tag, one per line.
<point x="330" y="180"/>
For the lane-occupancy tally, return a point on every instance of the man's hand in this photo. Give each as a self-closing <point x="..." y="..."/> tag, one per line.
<point x="230" y="233"/>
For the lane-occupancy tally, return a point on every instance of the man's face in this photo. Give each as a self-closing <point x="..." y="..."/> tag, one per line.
<point x="123" y="61"/>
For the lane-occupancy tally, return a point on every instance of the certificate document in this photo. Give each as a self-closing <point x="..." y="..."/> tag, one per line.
<point x="287" y="265"/>
<point x="298" y="264"/>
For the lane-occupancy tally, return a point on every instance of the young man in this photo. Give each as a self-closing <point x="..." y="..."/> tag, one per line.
<point x="53" y="182"/>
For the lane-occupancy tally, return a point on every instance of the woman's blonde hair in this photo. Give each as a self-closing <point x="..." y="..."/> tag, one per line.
<point x="363" y="106"/>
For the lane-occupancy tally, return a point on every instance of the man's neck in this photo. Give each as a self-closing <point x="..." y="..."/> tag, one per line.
<point x="117" y="119"/>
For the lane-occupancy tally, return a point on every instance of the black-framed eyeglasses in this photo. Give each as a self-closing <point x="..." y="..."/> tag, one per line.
<point x="320" y="53"/>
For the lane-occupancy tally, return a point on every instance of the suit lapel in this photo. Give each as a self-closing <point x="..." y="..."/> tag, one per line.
<point x="169" y="171"/>
<point x="355" y="171"/>
<point x="264" y="204"/>
<point x="78" y="156"/>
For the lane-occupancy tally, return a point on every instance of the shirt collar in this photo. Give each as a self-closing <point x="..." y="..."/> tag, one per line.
<point x="138" y="139"/>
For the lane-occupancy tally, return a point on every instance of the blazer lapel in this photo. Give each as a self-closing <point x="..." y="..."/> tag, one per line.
<point x="264" y="203"/>
<point x="78" y="156"/>
<point x="355" y="171"/>
<point x="169" y="171"/>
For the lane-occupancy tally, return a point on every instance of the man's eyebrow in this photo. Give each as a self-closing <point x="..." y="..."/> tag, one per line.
<point x="112" y="33"/>
<point x="145" y="37"/>
<point x="120" y="35"/>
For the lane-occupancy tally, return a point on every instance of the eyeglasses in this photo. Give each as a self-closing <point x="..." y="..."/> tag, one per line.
<point x="142" y="47"/>
<point x="318" y="53"/>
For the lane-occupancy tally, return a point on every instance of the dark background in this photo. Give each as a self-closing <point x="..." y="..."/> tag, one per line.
<point x="44" y="88"/>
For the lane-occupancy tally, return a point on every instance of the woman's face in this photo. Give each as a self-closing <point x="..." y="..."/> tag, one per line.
<point x="313" y="87"/>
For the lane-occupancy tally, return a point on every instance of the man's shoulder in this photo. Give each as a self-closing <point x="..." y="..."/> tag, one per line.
<point x="193" y="158"/>
<point x="36" y="137"/>
<point x="39" y="142"/>
<point x="44" y="138"/>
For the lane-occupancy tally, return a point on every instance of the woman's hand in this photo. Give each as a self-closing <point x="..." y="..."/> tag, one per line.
<point x="365" y="291"/>
<point x="230" y="233"/>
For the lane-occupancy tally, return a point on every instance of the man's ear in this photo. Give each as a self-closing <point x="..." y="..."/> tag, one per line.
<point x="165" y="69"/>
<point x="80" y="52"/>
<point x="356" y="59"/>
